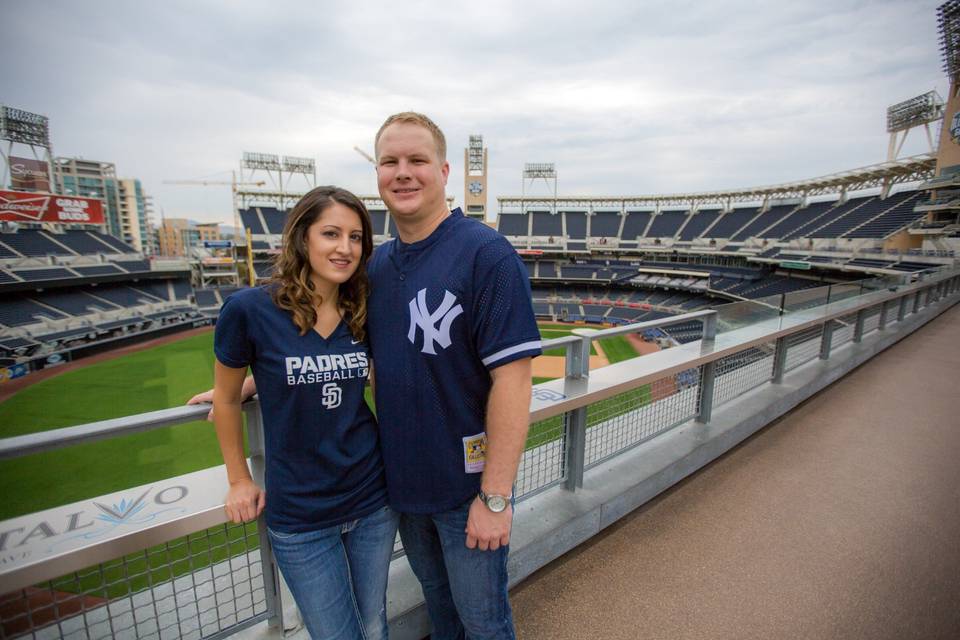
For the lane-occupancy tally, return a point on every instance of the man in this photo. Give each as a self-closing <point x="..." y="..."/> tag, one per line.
<point x="452" y="334"/>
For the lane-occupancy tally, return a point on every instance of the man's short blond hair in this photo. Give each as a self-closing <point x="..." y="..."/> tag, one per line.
<point x="412" y="117"/>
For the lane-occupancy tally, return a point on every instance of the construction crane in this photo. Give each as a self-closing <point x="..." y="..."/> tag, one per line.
<point x="209" y="183"/>
<point x="365" y="155"/>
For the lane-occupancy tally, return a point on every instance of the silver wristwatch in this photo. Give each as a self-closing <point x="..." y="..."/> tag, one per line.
<point x="494" y="502"/>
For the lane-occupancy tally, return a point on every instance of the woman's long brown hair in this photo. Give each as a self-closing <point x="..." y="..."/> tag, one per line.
<point x="290" y="285"/>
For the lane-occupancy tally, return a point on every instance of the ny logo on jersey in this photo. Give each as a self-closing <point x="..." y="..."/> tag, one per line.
<point x="331" y="396"/>
<point x="420" y="316"/>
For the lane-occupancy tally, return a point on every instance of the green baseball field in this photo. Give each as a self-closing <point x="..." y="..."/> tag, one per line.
<point x="158" y="378"/>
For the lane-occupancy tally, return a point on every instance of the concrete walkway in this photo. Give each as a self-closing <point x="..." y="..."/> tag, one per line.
<point x="842" y="520"/>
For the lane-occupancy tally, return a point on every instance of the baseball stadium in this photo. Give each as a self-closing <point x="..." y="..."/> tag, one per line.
<point x="791" y="346"/>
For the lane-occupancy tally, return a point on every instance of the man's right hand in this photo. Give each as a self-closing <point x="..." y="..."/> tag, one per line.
<point x="245" y="500"/>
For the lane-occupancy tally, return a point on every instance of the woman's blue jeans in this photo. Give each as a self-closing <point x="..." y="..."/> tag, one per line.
<point x="338" y="575"/>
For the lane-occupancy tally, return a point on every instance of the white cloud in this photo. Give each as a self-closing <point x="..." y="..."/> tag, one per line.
<point x="626" y="98"/>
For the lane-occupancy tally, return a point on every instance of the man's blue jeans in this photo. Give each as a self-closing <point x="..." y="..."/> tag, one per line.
<point x="465" y="589"/>
<point x="338" y="575"/>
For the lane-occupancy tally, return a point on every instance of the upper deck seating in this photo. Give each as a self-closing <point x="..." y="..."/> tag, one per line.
<point x="5" y="251"/>
<point x="666" y="224"/>
<point x="798" y="219"/>
<point x="547" y="269"/>
<point x="250" y="220"/>
<point x="635" y="224"/>
<point x="698" y="224"/>
<point x="274" y="218"/>
<point x="547" y="224"/>
<point x="133" y="266"/>
<point x="828" y="216"/>
<point x="576" y="225"/>
<point x="731" y="222"/>
<point x="852" y="215"/>
<point x="577" y="271"/>
<point x="900" y="215"/>
<point x="34" y="243"/>
<point x="260" y="245"/>
<point x="124" y="296"/>
<point x="206" y="298"/>
<point x="378" y="220"/>
<point x="53" y="273"/>
<point x="97" y="270"/>
<point x="764" y="221"/>
<point x="114" y="242"/>
<point x="84" y="243"/>
<point x="605" y="224"/>
<point x="513" y="224"/>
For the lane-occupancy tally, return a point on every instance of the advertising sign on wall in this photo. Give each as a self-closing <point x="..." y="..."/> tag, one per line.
<point x="29" y="174"/>
<point x="45" y="207"/>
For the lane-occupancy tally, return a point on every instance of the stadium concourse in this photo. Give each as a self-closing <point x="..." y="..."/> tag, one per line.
<point x="841" y="520"/>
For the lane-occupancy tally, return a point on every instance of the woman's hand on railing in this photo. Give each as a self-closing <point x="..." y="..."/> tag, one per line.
<point x="245" y="500"/>
<point x="201" y="398"/>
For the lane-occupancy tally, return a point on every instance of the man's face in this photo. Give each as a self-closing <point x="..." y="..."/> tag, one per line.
<point x="410" y="175"/>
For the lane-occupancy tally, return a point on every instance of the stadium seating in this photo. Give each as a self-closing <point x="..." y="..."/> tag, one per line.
<point x="798" y="219"/>
<point x="378" y="220"/>
<point x="56" y="273"/>
<point x="511" y="224"/>
<point x="74" y="302"/>
<point x="605" y="224"/>
<point x="123" y="296"/>
<point x="547" y="224"/>
<point x="697" y="224"/>
<point x="666" y="224"/>
<point x="274" y="218"/>
<point x="85" y="243"/>
<point x="893" y="219"/>
<point x="34" y="243"/>
<point x="17" y="311"/>
<point x="250" y="219"/>
<point x="96" y="270"/>
<point x="764" y="221"/>
<point x="133" y="266"/>
<point x="636" y="225"/>
<point x="731" y="222"/>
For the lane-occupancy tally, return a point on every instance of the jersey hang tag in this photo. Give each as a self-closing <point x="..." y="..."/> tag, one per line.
<point x="474" y="452"/>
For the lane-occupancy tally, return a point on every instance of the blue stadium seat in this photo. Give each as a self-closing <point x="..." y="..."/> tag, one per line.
<point x="666" y="224"/>
<point x="18" y="310"/>
<point x="798" y="220"/>
<point x="547" y="224"/>
<point x="133" y="266"/>
<point x="605" y="224"/>
<point x="698" y="223"/>
<point x="84" y="243"/>
<point x="250" y="220"/>
<point x="54" y="273"/>
<point x="275" y="219"/>
<point x="34" y="243"/>
<point x="576" y="225"/>
<point x="764" y="221"/>
<point x="513" y="224"/>
<point x="894" y="218"/>
<point x="635" y="225"/>
<point x="116" y="243"/>
<point x="731" y="222"/>
<point x="378" y="220"/>
<point x="97" y="270"/>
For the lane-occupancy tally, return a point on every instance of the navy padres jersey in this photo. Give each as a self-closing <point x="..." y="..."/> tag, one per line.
<point x="442" y="313"/>
<point x="322" y="451"/>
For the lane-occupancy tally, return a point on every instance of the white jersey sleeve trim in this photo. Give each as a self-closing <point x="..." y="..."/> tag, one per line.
<point x="509" y="351"/>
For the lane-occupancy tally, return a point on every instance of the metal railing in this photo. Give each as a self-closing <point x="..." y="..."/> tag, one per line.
<point x="160" y="561"/>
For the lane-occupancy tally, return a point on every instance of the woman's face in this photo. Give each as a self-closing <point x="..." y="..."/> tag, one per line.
<point x="335" y="244"/>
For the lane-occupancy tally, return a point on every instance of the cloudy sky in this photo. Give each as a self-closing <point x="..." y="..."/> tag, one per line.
<point x="625" y="97"/>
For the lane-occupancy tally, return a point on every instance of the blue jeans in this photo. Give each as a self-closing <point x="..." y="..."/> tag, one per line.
<point x="338" y="575"/>
<point x="465" y="589"/>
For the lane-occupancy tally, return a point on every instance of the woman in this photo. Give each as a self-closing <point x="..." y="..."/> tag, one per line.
<point x="303" y="336"/>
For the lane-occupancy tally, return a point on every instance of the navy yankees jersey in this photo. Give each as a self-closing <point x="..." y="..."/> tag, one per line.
<point x="323" y="462"/>
<point x="442" y="313"/>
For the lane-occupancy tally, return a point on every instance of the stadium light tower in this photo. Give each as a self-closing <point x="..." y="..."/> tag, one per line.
<point x="475" y="178"/>
<point x="533" y="171"/>
<point x="903" y="117"/>
<point x="33" y="131"/>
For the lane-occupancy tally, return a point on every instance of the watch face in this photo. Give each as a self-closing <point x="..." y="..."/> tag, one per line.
<point x="475" y="188"/>
<point x="496" y="503"/>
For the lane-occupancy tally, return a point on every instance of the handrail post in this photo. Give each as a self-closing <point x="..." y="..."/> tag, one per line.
<point x="708" y="371"/>
<point x="779" y="360"/>
<point x="902" y="310"/>
<point x="826" y="339"/>
<point x="269" y="570"/>
<point x="882" y="324"/>
<point x="858" y="327"/>
<point x="916" y="302"/>
<point x="575" y="421"/>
